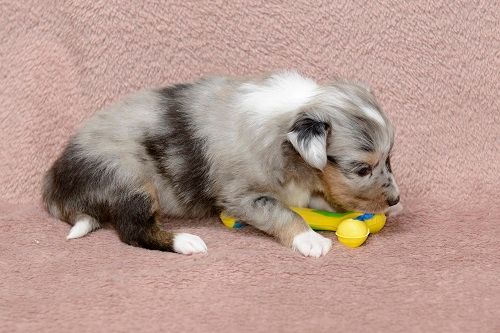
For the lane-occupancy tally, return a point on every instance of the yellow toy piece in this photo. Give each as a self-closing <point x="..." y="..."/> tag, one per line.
<point x="352" y="227"/>
<point x="352" y="232"/>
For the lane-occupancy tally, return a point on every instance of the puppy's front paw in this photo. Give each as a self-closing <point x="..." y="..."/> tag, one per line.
<point x="311" y="244"/>
<point x="185" y="243"/>
<point x="394" y="210"/>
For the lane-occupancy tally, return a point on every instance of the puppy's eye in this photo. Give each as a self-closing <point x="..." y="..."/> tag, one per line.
<point x="364" y="171"/>
<point x="331" y="159"/>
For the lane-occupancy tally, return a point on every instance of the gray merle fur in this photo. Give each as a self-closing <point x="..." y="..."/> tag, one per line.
<point x="307" y="128"/>
<point x="192" y="184"/>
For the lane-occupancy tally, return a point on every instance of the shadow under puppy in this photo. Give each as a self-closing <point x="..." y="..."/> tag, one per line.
<point x="250" y="146"/>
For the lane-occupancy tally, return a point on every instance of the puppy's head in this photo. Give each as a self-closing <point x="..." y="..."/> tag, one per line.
<point x="345" y="135"/>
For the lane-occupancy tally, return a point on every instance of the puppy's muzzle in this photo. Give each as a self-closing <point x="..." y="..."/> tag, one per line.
<point x="393" y="201"/>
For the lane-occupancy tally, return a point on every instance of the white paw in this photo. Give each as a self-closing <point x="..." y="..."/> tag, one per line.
<point x="394" y="210"/>
<point x="185" y="243"/>
<point x="311" y="244"/>
<point x="82" y="226"/>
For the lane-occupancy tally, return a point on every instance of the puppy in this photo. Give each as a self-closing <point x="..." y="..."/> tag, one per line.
<point x="251" y="147"/>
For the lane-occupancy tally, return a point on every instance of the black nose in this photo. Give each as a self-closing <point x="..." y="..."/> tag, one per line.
<point x="392" y="202"/>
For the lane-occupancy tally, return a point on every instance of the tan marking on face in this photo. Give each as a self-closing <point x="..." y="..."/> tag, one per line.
<point x="339" y="193"/>
<point x="371" y="158"/>
<point x="336" y="189"/>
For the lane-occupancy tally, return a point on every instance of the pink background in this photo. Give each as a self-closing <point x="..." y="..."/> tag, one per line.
<point x="435" y="68"/>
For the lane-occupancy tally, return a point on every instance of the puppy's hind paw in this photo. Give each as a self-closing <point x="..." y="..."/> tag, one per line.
<point x="83" y="225"/>
<point x="311" y="244"/>
<point x="185" y="243"/>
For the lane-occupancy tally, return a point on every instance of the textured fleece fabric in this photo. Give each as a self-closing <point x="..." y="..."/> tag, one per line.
<point x="434" y="66"/>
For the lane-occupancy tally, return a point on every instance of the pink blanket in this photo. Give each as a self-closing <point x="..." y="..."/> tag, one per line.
<point x="435" y="67"/>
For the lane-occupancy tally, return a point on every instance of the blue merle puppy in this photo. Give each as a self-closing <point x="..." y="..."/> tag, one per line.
<point x="252" y="147"/>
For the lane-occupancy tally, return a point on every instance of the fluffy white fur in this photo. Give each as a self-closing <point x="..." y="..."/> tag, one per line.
<point x="185" y="243"/>
<point x="311" y="244"/>
<point x="280" y="93"/>
<point x="82" y="226"/>
<point x="375" y="115"/>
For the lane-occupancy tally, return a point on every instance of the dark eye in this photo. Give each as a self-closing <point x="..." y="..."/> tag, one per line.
<point x="332" y="159"/>
<point x="364" y="171"/>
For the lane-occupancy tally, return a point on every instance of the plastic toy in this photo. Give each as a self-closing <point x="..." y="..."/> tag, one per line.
<point x="352" y="228"/>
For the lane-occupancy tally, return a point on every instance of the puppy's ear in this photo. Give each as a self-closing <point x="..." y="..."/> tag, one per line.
<point x="365" y="86"/>
<point x="308" y="136"/>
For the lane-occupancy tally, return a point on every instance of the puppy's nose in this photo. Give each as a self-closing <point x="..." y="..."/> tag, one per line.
<point x="392" y="202"/>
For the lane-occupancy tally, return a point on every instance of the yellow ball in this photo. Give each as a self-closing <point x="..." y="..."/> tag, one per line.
<point x="376" y="223"/>
<point x="352" y="233"/>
